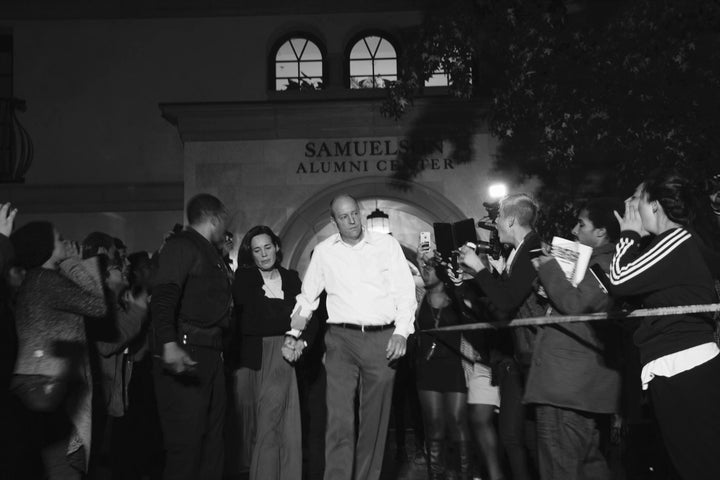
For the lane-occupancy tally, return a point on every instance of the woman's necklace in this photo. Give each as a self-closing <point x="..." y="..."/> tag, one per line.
<point x="444" y="300"/>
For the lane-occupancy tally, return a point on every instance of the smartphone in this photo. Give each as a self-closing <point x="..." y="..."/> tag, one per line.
<point x="601" y="277"/>
<point x="424" y="239"/>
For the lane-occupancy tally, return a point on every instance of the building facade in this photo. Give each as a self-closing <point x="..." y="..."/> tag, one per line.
<point x="135" y="107"/>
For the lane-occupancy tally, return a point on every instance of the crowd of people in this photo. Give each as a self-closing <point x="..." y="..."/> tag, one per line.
<point x="176" y="364"/>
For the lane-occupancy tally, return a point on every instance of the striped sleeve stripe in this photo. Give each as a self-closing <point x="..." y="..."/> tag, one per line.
<point x="620" y="250"/>
<point x="626" y="243"/>
<point x="678" y="236"/>
<point x="647" y="260"/>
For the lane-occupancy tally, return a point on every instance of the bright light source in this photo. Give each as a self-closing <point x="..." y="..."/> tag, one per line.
<point x="497" y="190"/>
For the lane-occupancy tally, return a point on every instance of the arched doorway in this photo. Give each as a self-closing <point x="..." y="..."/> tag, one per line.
<point x="413" y="206"/>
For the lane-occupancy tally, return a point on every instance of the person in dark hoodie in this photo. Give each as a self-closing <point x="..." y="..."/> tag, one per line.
<point x="678" y="353"/>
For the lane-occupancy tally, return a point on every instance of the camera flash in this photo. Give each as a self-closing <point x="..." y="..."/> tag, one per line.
<point x="497" y="190"/>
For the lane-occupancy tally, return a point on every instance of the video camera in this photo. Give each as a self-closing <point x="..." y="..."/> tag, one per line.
<point x="492" y="247"/>
<point x="449" y="237"/>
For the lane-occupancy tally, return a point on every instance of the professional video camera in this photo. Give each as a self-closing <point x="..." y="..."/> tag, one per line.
<point x="449" y="237"/>
<point x="492" y="247"/>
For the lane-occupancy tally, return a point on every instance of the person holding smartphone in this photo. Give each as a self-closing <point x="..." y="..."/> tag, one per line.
<point x="439" y="371"/>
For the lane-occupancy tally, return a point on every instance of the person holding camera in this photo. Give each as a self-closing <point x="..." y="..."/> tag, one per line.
<point x="510" y="296"/>
<point x="190" y="308"/>
<point x="574" y="378"/>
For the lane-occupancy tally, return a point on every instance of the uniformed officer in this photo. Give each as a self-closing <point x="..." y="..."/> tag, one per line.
<point x="191" y="305"/>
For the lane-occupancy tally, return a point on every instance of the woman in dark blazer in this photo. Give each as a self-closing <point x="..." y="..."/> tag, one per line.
<point x="264" y="294"/>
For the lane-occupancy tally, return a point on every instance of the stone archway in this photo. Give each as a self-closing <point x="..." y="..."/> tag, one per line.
<point x="416" y="199"/>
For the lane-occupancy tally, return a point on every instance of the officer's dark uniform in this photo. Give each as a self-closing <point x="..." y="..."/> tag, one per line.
<point x="191" y="305"/>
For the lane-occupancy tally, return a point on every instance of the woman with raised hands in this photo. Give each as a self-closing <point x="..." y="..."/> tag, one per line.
<point x="678" y="353"/>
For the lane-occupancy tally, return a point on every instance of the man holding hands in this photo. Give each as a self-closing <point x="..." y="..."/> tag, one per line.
<point x="371" y="306"/>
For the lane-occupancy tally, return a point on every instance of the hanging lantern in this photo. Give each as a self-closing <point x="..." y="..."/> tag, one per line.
<point x="378" y="221"/>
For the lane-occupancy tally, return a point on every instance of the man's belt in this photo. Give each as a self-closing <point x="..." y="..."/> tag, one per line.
<point x="363" y="328"/>
<point x="201" y="337"/>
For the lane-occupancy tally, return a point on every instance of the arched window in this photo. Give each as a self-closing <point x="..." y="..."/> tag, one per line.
<point x="373" y="62"/>
<point x="298" y="65"/>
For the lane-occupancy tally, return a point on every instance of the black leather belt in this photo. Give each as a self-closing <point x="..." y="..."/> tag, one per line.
<point x="363" y="328"/>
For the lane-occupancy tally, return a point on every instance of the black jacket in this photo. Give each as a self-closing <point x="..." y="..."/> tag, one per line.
<point x="257" y="316"/>
<point x="191" y="286"/>
<point x="671" y="271"/>
<point x="513" y="296"/>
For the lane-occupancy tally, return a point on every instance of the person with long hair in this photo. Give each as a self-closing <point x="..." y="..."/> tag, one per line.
<point x="439" y="375"/>
<point x="264" y="294"/>
<point x="678" y="353"/>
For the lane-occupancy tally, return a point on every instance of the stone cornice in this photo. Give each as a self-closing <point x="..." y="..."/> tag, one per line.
<point x="319" y="118"/>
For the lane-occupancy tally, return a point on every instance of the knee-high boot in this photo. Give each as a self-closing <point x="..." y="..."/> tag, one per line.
<point x="436" y="463"/>
<point x="464" y="470"/>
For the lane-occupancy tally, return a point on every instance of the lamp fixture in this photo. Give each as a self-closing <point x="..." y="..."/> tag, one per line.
<point x="378" y="221"/>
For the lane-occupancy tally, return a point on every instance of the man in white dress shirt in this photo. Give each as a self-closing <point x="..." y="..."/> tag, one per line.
<point x="371" y="307"/>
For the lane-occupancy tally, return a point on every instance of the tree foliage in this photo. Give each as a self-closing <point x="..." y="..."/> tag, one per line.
<point x="586" y="97"/>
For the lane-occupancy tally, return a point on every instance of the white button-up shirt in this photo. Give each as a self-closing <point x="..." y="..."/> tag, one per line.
<point x="367" y="284"/>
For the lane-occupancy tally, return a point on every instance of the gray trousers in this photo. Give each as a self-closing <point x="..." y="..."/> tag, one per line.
<point x="355" y="363"/>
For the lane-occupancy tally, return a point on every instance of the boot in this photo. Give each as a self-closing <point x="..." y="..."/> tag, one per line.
<point x="436" y="465"/>
<point x="463" y="452"/>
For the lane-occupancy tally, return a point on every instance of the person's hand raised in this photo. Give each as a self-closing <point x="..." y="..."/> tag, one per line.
<point x="7" y="218"/>
<point x="141" y="299"/>
<point x="631" y="219"/>
<point x="72" y="249"/>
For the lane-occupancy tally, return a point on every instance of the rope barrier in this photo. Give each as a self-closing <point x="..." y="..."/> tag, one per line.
<point x="590" y="317"/>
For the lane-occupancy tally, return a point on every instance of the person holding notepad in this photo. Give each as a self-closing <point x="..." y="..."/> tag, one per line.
<point x="573" y="378"/>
